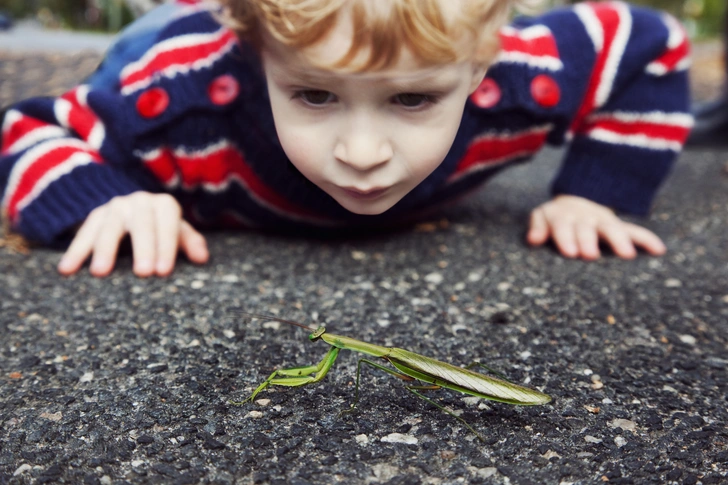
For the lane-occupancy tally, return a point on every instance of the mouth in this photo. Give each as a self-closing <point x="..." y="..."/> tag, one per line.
<point x="369" y="194"/>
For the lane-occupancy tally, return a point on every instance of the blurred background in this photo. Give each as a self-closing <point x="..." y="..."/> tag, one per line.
<point x="703" y="18"/>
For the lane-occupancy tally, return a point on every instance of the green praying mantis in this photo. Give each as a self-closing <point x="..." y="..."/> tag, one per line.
<point x="409" y="367"/>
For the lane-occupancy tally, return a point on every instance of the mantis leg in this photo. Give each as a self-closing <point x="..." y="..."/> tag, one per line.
<point x="413" y="390"/>
<point x="399" y="375"/>
<point x="297" y="376"/>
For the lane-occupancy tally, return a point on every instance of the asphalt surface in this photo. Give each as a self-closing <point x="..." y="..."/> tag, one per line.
<point x="122" y="380"/>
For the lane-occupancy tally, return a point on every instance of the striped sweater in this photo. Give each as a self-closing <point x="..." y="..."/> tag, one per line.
<point x="191" y="117"/>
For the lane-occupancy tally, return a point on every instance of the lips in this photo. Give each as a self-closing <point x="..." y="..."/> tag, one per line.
<point x="368" y="194"/>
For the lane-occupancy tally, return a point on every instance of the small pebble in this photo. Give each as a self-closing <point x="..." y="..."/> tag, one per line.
<point x="400" y="438"/>
<point x="434" y="278"/>
<point x="87" y="377"/>
<point x="22" y="469"/>
<point x="254" y="414"/>
<point x="688" y="339"/>
<point x="625" y="424"/>
<point x="362" y="439"/>
<point x="619" y="441"/>
<point x="673" y="283"/>
<point x="262" y="402"/>
<point x="592" y="439"/>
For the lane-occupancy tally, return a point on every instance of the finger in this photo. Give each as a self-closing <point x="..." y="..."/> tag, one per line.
<point x="564" y="237"/>
<point x="106" y="245"/>
<point x="168" y="222"/>
<point x="81" y="245"/>
<point x="587" y="239"/>
<point x="193" y="244"/>
<point x="143" y="236"/>
<point x="538" y="231"/>
<point x="618" y="238"/>
<point x="646" y="239"/>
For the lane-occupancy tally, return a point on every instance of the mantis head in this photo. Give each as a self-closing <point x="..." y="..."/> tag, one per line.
<point x="317" y="333"/>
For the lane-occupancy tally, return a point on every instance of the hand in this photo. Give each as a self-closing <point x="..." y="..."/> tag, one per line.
<point x="157" y="230"/>
<point x="576" y="225"/>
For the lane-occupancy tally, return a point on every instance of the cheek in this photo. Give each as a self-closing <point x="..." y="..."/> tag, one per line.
<point x="299" y="141"/>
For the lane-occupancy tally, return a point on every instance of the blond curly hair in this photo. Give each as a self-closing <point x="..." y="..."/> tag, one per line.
<point x="381" y="27"/>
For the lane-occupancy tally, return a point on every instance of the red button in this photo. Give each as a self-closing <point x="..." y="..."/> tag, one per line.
<point x="152" y="103"/>
<point x="545" y="91"/>
<point x="223" y="90"/>
<point x="487" y="94"/>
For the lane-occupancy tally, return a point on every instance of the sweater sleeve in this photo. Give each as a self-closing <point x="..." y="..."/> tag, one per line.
<point x="634" y="116"/>
<point x="57" y="163"/>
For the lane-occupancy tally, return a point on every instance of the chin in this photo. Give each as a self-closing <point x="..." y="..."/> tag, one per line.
<point x="367" y="209"/>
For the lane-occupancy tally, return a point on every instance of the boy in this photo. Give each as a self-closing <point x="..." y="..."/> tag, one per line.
<point x="336" y="113"/>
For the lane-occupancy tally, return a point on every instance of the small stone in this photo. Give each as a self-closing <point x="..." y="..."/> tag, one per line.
<point x="262" y="402"/>
<point x="434" y="278"/>
<point x="137" y="463"/>
<point x="592" y="409"/>
<point x="228" y="333"/>
<point x="22" y="469"/>
<point x="688" y="339"/>
<point x="358" y="255"/>
<point x="673" y="283"/>
<point x="197" y="284"/>
<point x="625" y="424"/>
<point x="105" y="480"/>
<point x="254" y="414"/>
<point x="52" y="416"/>
<point x="551" y="454"/>
<point x="620" y="441"/>
<point x="400" y="438"/>
<point x="597" y="385"/>
<point x="362" y="439"/>
<point x="87" y="377"/>
<point x="230" y="278"/>
<point x="611" y="320"/>
<point x="592" y="439"/>
<point x="15" y="375"/>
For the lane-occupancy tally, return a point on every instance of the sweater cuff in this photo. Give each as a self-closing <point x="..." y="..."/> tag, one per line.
<point x="68" y="201"/>
<point x="621" y="177"/>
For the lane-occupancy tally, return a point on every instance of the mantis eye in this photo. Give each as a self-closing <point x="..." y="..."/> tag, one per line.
<point x="317" y="334"/>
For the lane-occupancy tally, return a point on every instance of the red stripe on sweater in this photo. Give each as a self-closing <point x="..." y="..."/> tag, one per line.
<point x="652" y="130"/>
<point x="542" y="45"/>
<point x="215" y="169"/>
<point x="21" y="128"/>
<point x="495" y="149"/>
<point x="179" y="57"/>
<point x="80" y="118"/>
<point x="37" y="170"/>
<point x="608" y="17"/>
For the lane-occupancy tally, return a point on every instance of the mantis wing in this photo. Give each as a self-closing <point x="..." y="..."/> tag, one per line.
<point x="463" y="380"/>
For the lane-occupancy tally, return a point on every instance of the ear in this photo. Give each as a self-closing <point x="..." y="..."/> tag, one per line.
<point x="479" y="71"/>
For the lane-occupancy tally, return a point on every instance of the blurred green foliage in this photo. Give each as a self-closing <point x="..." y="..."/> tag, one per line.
<point x="703" y="18"/>
<point x="74" y="14"/>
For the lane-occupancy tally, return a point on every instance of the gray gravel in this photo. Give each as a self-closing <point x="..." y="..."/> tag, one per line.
<point x="122" y="380"/>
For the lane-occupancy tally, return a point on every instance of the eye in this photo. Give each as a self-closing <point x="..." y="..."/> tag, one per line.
<point x="413" y="100"/>
<point x="315" y="97"/>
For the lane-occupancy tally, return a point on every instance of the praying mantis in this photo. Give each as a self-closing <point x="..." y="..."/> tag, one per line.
<point x="409" y="367"/>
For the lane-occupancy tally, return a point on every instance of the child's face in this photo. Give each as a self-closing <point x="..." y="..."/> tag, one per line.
<point x="366" y="139"/>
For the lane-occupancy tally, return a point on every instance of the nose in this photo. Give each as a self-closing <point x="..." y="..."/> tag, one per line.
<point x="363" y="148"/>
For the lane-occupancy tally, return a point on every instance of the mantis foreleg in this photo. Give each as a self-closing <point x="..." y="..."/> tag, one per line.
<point x="297" y="376"/>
